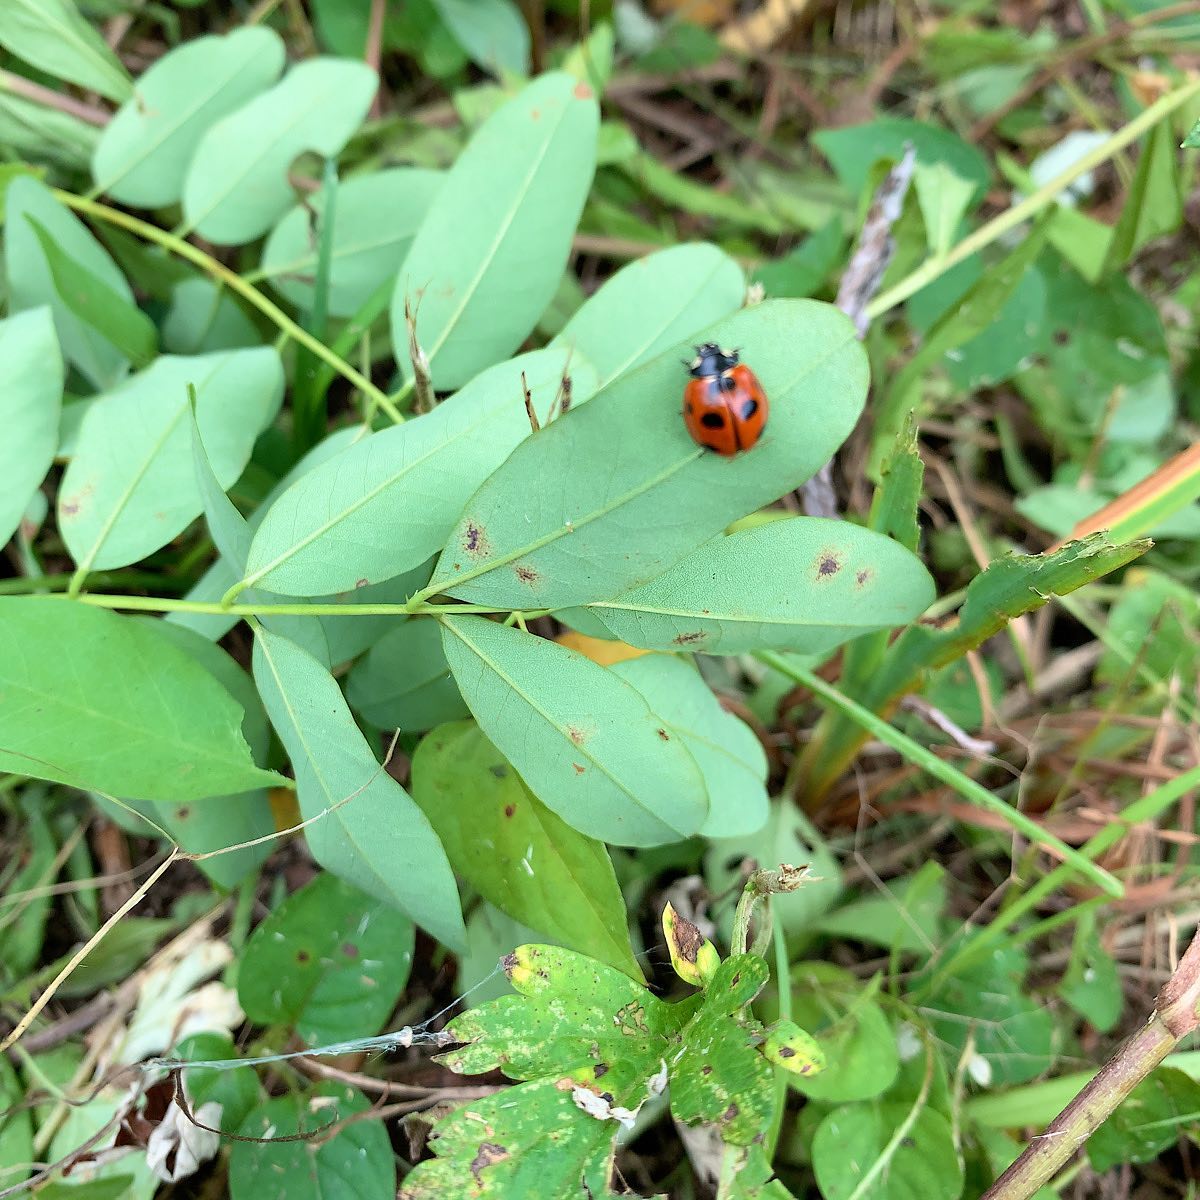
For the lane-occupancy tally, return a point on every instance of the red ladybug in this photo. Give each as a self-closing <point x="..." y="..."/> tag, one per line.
<point x="724" y="405"/>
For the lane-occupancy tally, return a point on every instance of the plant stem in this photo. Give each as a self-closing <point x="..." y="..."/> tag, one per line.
<point x="919" y="756"/>
<point x="249" y="293"/>
<point x="996" y="228"/>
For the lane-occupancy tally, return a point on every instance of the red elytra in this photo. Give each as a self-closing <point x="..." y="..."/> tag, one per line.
<point x="724" y="406"/>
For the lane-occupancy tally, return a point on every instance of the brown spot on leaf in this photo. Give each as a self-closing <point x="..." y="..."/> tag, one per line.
<point x="490" y="1153"/>
<point x="731" y="1112"/>
<point x="183" y="812"/>
<point x="509" y="809"/>
<point x="349" y="949"/>
<point x="361" y="582"/>
<point x="576" y="734"/>
<point x="303" y="956"/>
<point x="582" y="91"/>
<point x="863" y="577"/>
<point x="535" y="114"/>
<point x="500" y="770"/>
<point x="662" y="733"/>
<point x="508" y="964"/>
<point x="689" y="639"/>
<point x="600" y="1070"/>
<point x="706" y="1069"/>
<point x="474" y="540"/>
<point x="786" y="1052"/>
<point x="828" y="564"/>
<point x="579" y="768"/>
<point x="526" y="574"/>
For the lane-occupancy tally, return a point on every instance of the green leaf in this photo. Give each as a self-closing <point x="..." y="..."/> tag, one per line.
<point x="720" y="1078"/>
<point x="388" y="501"/>
<point x="604" y="533"/>
<point x="944" y="197"/>
<point x="1153" y="206"/>
<point x="16" y="1128"/>
<point x="92" y="302"/>
<point x="145" y="150"/>
<point x="754" y="1179"/>
<point x="857" y="1147"/>
<point x="585" y="741"/>
<point x="312" y="1168"/>
<point x="22" y="938"/>
<point x="514" y="851"/>
<point x="306" y="964"/>
<point x="30" y="400"/>
<point x="205" y="317"/>
<point x="804" y="583"/>
<point x="1092" y="984"/>
<point x="31" y="281"/>
<point x="731" y="759"/>
<point x="482" y="274"/>
<point x="131" y="486"/>
<point x="108" y="703"/>
<point x="849" y="1026"/>
<point x="374" y="222"/>
<point x="651" y="303"/>
<point x="1148" y="1122"/>
<point x="31" y="131"/>
<point x="237" y="1092"/>
<point x="404" y="682"/>
<point x="369" y="831"/>
<point x="492" y="32"/>
<point x="237" y="187"/>
<point x="906" y="918"/>
<point x="52" y="36"/>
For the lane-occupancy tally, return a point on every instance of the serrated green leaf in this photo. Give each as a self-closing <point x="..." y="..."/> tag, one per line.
<point x="482" y="274"/>
<point x="492" y="32"/>
<point x="728" y="753"/>
<point x="52" y="36"/>
<point x="369" y="831"/>
<point x="31" y="281"/>
<point x="651" y="303"/>
<point x="93" y="303"/>
<point x="306" y="964"/>
<point x="387" y="502"/>
<point x="514" y="851"/>
<point x="145" y="150"/>
<point x="30" y="400"/>
<point x="236" y="186"/>
<point x="374" y="222"/>
<point x="585" y="741"/>
<point x="131" y="486"/>
<point x="312" y="1169"/>
<point x="600" y="531"/>
<point x="106" y="702"/>
<point x="804" y="583"/>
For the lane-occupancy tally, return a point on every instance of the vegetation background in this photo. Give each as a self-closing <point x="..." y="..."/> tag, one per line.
<point x="366" y="612"/>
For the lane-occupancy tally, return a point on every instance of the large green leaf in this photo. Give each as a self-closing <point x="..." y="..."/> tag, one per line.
<point x="492" y="32"/>
<point x="237" y="187"/>
<point x="52" y="36"/>
<point x="375" y="219"/>
<point x="622" y="492"/>
<point x="144" y="154"/>
<point x="387" y="502"/>
<point x="31" y="281"/>
<point x="727" y="751"/>
<point x="106" y="702"/>
<point x="514" y="851"/>
<point x="651" y="303"/>
<point x="404" y="681"/>
<point x="366" y="830"/>
<point x="801" y="583"/>
<point x="585" y="741"/>
<point x="32" y="370"/>
<point x="308" y="1168"/>
<point x="131" y="487"/>
<point x="489" y="255"/>
<point x="306" y="963"/>
<point x="16" y="1128"/>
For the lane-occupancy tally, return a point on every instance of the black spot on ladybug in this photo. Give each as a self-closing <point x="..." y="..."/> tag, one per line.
<point x="662" y="733"/>
<point x="349" y="949"/>
<point x="526" y="574"/>
<point x="713" y="420"/>
<point x="509" y="809"/>
<point x="749" y="409"/>
<point x="828" y="564"/>
<point x="600" y="1070"/>
<point x="863" y="577"/>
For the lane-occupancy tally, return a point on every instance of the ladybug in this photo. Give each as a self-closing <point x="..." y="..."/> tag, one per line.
<point x="724" y="405"/>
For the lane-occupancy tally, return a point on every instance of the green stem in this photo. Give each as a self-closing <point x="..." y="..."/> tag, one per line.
<point x="235" y="283"/>
<point x="919" y="756"/>
<point x="996" y="228"/>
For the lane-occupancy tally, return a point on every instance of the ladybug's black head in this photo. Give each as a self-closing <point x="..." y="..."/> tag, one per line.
<point x="712" y="360"/>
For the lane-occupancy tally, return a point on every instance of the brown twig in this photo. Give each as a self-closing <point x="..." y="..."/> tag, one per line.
<point x="48" y="98"/>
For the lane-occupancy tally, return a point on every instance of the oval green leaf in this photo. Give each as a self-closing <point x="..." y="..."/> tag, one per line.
<point x="375" y="219"/>
<point x="514" y="851"/>
<point x="305" y="966"/>
<point x="730" y="757"/>
<point x="651" y="303"/>
<point x="143" y="156"/>
<point x="488" y="257"/>
<point x="367" y="830"/>
<point x="387" y="502"/>
<point x="131" y="486"/>
<point x="585" y="741"/>
<point x="108" y="703"/>
<point x="237" y="186"/>
<point x="32" y="369"/>
<point x="492" y="33"/>
<point x="404" y="682"/>
<point x="31" y="281"/>
<point x="801" y="583"/>
<point x="632" y="494"/>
